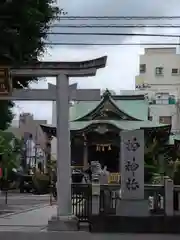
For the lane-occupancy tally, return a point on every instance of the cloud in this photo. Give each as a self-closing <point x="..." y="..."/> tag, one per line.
<point x="122" y="65"/>
<point x="106" y="78"/>
<point x="110" y="8"/>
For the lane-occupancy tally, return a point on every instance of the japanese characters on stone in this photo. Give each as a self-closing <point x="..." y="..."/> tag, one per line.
<point x="132" y="144"/>
<point x="132" y="164"/>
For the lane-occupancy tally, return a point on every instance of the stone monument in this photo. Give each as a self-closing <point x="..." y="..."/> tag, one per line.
<point x="132" y="202"/>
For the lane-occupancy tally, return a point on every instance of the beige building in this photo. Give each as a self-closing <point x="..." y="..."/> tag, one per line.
<point x="28" y="125"/>
<point x="159" y="78"/>
<point x="159" y="70"/>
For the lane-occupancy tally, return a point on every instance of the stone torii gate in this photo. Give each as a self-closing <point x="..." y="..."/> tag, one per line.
<point x="62" y="71"/>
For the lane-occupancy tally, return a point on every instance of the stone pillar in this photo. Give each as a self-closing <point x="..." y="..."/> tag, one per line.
<point x="63" y="146"/>
<point x="85" y="155"/>
<point x="169" y="202"/>
<point x="132" y="202"/>
<point x="64" y="219"/>
<point x="95" y="197"/>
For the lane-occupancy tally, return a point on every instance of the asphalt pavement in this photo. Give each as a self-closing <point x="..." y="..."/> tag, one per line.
<point x="22" y="201"/>
<point x="16" y="235"/>
<point x="25" y="212"/>
<point x="31" y="220"/>
<point x="31" y="216"/>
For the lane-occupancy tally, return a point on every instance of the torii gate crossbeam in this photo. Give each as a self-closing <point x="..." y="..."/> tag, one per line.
<point x="62" y="71"/>
<point x="50" y="94"/>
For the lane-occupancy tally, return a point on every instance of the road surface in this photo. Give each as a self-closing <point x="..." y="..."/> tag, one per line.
<point x="22" y="201"/>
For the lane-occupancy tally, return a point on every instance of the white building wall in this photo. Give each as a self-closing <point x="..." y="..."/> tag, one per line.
<point x="160" y="108"/>
<point x="157" y="111"/>
<point x="168" y="82"/>
<point x="168" y="59"/>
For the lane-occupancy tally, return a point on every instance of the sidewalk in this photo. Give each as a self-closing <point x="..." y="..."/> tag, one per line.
<point x="22" y="202"/>
<point x="36" y="219"/>
<point x="83" y="235"/>
<point x="31" y="224"/>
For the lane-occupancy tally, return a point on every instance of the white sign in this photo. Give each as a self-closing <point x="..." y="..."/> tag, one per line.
<point x="132" y="164"/>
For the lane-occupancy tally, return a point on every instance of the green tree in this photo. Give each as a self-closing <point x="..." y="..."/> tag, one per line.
<point x="6" y="114"/>
<point x="150" y="151"/>
<point x="10" y="151"/>
<point x="24" y="26"/>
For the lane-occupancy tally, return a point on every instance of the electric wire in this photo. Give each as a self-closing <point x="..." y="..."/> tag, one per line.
<point x="118" y="18"/>
<point x="115" y="26"/>
<point x="140" y="18"/>
<point x="114" y="34"/>
<point x="109" y="44"/>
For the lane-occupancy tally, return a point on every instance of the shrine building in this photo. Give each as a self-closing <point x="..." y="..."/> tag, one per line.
<point x="95" y="128"/>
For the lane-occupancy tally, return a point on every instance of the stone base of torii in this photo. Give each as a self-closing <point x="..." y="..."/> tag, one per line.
<point x="64" y="220"/>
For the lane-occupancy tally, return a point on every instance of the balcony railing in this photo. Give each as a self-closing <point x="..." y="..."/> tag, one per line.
<point x="163" y="101"/>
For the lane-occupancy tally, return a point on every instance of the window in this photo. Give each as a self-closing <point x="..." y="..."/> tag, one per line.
<point x="165" y="119"/>
<point x="142" y="68"/>
<point x="159" y="71"/>
<point x="162" y="98"/>
<point x="175" y="71"/>
<point x="150" y="118"/>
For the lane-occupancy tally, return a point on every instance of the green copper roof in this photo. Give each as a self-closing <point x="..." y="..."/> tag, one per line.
<point x="79" y="109"/>
<point x="124" y="125"/>
<point x="136" y="108"/>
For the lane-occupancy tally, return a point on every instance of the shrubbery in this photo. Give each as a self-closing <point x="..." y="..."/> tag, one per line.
<point x="41" y="183"/>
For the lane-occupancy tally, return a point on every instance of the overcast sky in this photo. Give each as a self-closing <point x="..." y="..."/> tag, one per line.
<point x="123" y="61"/>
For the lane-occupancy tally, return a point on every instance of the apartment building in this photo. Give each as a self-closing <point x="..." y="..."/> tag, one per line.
<point x="159" y="79"/>
<point x="159" y="70"/>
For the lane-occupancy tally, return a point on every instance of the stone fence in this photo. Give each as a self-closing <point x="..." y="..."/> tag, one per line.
<point x="165" y="198"/>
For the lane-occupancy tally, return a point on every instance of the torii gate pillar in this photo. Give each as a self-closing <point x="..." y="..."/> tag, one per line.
<point x="63" y="146"/>
<point x="64" y="220"/>
<point x="62" y="71"/>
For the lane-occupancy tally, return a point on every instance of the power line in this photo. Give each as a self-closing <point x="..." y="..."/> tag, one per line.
<point x="5" y="17"/>
<point x="114" y="34"/>
<point x="114" y="26"/>
<point x="110" y="44"/>
<point x="119" y="17"/>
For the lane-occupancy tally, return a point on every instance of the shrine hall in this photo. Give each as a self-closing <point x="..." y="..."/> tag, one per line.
<point x="95" y="128"/>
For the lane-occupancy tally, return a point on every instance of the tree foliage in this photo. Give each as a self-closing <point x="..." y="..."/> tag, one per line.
<point x="152" y="149"/>
<point x="24" y="26"/>
<point x="10" y="148"/>
<point x="6" y="114"/>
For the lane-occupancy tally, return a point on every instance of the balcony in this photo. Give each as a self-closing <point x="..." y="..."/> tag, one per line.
<point x="163" y="101"/>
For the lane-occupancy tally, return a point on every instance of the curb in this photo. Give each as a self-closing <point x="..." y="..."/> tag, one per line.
<point x="23" y="211"/>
